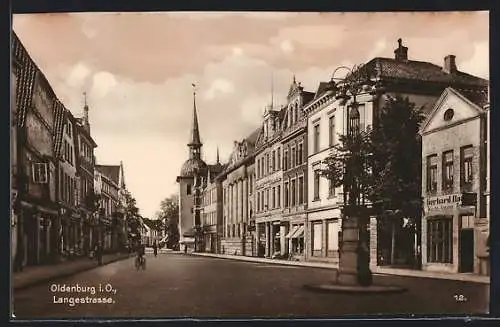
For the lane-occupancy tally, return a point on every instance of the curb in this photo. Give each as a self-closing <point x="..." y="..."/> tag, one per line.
<point x="375" y="271"/>
<point x="65" y="274"/>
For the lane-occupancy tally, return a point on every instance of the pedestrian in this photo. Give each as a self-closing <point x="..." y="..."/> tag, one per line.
<point x="155" y="248"/>
<point x="99" y="253"/>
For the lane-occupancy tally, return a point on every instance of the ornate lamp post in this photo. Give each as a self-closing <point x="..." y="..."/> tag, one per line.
<point x="354" y="253"/>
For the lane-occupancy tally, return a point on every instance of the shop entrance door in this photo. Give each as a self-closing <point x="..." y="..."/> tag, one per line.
<point x="467" y="250"/>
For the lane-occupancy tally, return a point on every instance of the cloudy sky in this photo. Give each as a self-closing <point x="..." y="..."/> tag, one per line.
<point x="137" y="69"/>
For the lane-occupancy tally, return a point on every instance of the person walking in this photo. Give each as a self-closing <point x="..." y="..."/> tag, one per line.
<point x="155" y="248"/>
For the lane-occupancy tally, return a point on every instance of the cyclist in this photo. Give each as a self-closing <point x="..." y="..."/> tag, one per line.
<point x="141" y="251"/>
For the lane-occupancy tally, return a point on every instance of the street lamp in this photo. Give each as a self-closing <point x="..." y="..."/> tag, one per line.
<point x="354" y="260"/>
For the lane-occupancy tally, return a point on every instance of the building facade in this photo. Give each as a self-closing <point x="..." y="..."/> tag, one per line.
<point x="111" y="220"/>
<point x="295" y="177"/>
<point x="211" y="213"/>
<point x="85" y="160"/>
<point x="269" y="183"/>
<point x="238" y="185"/>
<point x="68" y="195"/>
<point x="34" y="114"/>
<point x="455" y="224"/>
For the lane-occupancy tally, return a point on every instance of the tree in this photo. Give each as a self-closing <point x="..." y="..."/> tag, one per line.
<point x="396" y="188"/>
<point x="349" y="166"/>
<point x="132" y="217"/>
<point x="169" y="213"/>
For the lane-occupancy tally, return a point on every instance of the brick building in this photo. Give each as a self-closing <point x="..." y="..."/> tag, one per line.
<point x="455" y="223"/>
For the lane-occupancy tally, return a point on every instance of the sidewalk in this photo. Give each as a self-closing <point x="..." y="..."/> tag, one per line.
<point x="31" y="276"/>
<point x="376" y="270"/>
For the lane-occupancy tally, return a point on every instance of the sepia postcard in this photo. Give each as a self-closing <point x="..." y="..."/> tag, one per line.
<point x="249" y="164"/>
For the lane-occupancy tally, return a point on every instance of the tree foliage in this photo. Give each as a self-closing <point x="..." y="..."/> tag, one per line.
<point x="349" y="165"/>
<point x="384" y="163"/>
<point x="396" y="147"/>
<point x="169" y="214"/>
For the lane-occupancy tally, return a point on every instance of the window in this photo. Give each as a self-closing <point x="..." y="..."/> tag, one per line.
<point x="293" y="189"/>
<point x="267" y="164"/>
<point x="331" y="124"/>
<point x="467" y="222"/>
<point x="300" y="154"/>
<point x="286" y="194"/>
<point x="258" y="202"/>
<point x="466" y="166"/>
<point x="278" y="161"/>
<point x="448" y="114"/>
<point x="273" y="163"/>
<point x="332" y="237"/>
<point x="301" y="190"/>
<point x="439" y="240"/>
<point x="278" y="196"/>
<point x="40" y="173"/>
<point x="331" y="188"/>
<point x="258" y="168"/>
<point x="317" y="238"/>
<point x="262" y="200"/>
<point x="267" y="199"/>
<point x="285" y="160"/>
<point x="316" y="138"/>
<point x="448" y="170"/>
<point x="188" y="191"/>
<point x="316" y="185"/>
<point x="432" y="173"/>
<point x="274" y="198"/>
<point x="293" y="158"/>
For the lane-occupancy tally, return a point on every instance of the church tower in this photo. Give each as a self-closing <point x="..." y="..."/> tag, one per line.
<point x="194" y="166"/>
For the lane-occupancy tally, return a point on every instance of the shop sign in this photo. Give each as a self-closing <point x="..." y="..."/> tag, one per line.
<point x="443" y="201"/>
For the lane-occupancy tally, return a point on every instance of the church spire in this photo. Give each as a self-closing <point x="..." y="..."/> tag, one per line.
<point x="195" y="142"/>
<point x="86" y="123"/>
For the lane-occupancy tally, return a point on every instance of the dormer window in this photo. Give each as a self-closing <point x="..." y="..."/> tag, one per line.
<point x="448" y="114"/>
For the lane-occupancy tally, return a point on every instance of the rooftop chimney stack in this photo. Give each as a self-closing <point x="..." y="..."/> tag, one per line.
<point x="450" y="66"/>
<point x="401" y="52"/>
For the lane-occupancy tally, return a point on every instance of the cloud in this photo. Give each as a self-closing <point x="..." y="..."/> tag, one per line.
<point x="78" y="74"/>
<point x="478" y="64"/>
<point x="287" y="46"/>
<point x="138" y="70"/>
<point x="103" y="83"/>
<point x="219" y="86"/>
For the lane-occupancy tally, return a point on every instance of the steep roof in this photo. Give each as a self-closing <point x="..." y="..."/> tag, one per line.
<point x="420" y="71"/>
<point x="110" y="171"/>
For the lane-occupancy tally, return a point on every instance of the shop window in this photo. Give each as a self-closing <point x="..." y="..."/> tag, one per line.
<point x="432" y="173"/>
<point x="332" y="237"/>
<point x="440" y="240"/>
<point x="317" y="238"/>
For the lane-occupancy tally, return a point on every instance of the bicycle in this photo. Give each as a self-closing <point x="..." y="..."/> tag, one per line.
<point x="140" y="263"/>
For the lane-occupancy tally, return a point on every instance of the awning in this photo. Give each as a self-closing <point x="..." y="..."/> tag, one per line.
<point x="299" y="232"/>
<point x="292" y="231"/>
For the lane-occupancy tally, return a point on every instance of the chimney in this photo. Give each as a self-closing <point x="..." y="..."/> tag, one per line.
<point x="450" y="66"/>
<point x="401" y="52"/>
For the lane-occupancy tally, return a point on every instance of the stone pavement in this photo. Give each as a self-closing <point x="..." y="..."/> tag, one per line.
<point x="376" y="270"/>
<point x="31" y="276"/>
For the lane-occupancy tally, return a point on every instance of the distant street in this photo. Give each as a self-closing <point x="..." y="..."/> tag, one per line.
<point x="174" y="285"/>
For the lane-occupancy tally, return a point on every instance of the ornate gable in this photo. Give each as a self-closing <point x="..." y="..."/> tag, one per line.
<point x="450" y="108"/>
